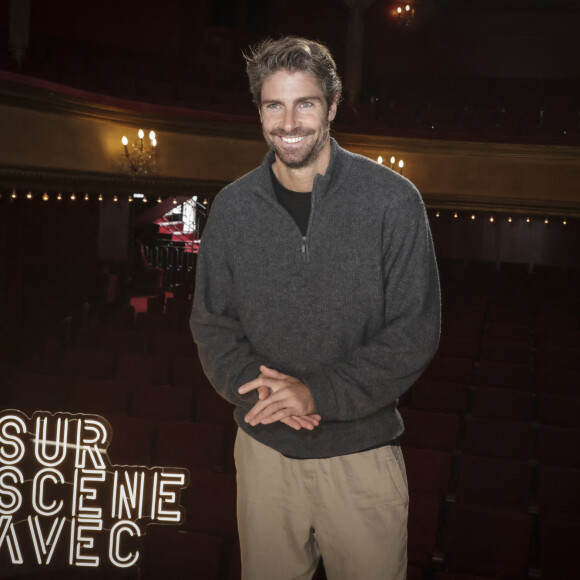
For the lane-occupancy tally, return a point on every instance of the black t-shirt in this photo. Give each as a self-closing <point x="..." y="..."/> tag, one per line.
<point x="296" y="203"/>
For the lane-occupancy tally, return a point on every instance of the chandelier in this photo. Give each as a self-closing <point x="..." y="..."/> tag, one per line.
<point x="140" y="158"/>
<point x="405" y="14"/>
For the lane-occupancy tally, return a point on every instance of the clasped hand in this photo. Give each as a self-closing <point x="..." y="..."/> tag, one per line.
<point x="281" y="398"/>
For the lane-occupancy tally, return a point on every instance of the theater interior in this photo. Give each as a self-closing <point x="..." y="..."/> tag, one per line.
<point x="121" y="121"/>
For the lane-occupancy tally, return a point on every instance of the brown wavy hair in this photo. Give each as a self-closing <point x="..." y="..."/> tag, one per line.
<point x="294" y="54"/>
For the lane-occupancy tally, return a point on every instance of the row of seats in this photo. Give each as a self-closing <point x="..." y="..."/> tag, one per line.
<point x="117" y="397"/>
<point x="556" y="402"/>
<point x="489" y="445"/>
<point x="498" y="110"/>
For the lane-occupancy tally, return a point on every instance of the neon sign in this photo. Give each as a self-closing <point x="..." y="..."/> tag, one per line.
<point x="62" y="503"/>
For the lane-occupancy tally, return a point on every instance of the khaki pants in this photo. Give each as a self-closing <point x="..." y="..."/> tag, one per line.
<point x="350" y="509"/>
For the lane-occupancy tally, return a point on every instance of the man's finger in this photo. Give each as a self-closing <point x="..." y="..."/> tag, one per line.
<point x="256" y="384"/>
<point x="291" y="422"/>
<point x="272" y="373"/>
<point x="283" y="414"/>
<point x="264" y="409"/>
<point x="306" y="422"/>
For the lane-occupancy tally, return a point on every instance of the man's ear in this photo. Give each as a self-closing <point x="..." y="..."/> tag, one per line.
<point x="332" y="111"/>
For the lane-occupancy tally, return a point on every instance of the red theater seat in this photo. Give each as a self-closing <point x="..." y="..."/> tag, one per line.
<point x="458" y="346"/>
<point x="559" y="491"/>
<point x="558" y="446"/>
<point x="173" y="344"/>
<point x="211" y="408"/>
<point x="132" y="442"/>
<point x="509" y="333"/>
<point x="557" y="337"/>
<point x="210" y="502"/>
<point x="430" y="430"/>
<point x="558" y="547"/>
<point x="490" y="542"/>
<point x="504" y="374"/>
<point x="143" y="368"/>
<point x="423" y="528"/>
<point x="449" y="369"/>
<point x="122" y="340"/>
<point x="161" y="402"/>
<point x="439" y="396"/>
<point x="188" y="372"/>
<point x="99" y="396"/>
<point x="558" y="381"/>
<point x="39" y="392"/>
<point x="179" y="555"/>
<point x="190" y="445"/>
<point x="494" y="482"/>
<point x="503" y="404"/>
<point x="500" y="439"/>
<point x="89" y="363"/>
<point x="428" y="472"/>
<point x="452" y="576"/>
<point x="504" y="351"/>
<point x="558" y="410"/>
<point x="559" y="357"/>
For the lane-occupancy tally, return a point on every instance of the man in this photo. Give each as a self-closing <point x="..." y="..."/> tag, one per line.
<point x="316" y="307"/>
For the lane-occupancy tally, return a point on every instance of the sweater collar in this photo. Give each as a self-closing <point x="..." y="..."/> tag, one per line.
<point x="322" y="183"/>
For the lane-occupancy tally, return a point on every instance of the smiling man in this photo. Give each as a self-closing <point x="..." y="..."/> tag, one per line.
<point x="316" y="307"/>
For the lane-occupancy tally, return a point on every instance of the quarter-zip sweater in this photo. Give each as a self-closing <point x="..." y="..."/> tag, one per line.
<point x="352" y="309"/>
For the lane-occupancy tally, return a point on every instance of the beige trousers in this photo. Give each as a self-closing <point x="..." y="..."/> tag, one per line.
<point x="350" y="509"/>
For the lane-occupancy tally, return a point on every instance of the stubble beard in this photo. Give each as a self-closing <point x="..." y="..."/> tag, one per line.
<point x="301" y="157"/>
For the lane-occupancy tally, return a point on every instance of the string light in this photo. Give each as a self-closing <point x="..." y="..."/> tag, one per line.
<point x="45" y="197"/>
<point x="528" y="220"/>
<point x="159" y="200"/>
<point x="472" y="216"/>
<point x="546" y="221"/>
<point x="115" y="199"/>
<point x="59" y="197"/>
<point x="14" y="196"/>
<point x="87" y="197"/>
<point x="73" y="197"/>
<point x="455" y="215"/>
<point x="380" y="160"/>
<point x="130" y="199"/>
<point x="29" y="195"/>
<point x="491" y="219"/>
<point x="100" y="197"/>
<point x="510" y="220"/>
<point x="174" y="201"/>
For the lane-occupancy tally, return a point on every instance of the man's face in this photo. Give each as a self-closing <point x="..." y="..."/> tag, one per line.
<point x="295" y="117"/>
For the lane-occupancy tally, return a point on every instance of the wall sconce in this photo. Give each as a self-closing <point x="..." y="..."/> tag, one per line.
<point x="405" y="14"/>
<point x="140" y="158"/>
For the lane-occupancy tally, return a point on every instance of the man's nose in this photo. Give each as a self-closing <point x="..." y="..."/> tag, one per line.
<point x="289" y="120"/>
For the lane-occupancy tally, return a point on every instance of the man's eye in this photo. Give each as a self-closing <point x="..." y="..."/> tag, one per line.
<point x="273" y="106"/>
<point x="306" y="104"/>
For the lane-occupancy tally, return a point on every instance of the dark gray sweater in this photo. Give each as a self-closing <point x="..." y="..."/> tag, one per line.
<point x="352" y="308"/>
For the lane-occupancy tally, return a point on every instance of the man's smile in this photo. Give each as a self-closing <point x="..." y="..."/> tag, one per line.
<point x="292" y="139"/>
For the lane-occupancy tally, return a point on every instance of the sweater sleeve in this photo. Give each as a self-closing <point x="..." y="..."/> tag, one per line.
<point x="224" y="350"/>
<point x="375" y="374"/>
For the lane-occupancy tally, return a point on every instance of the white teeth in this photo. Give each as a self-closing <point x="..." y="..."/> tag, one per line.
<point x="292" y="139"/>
